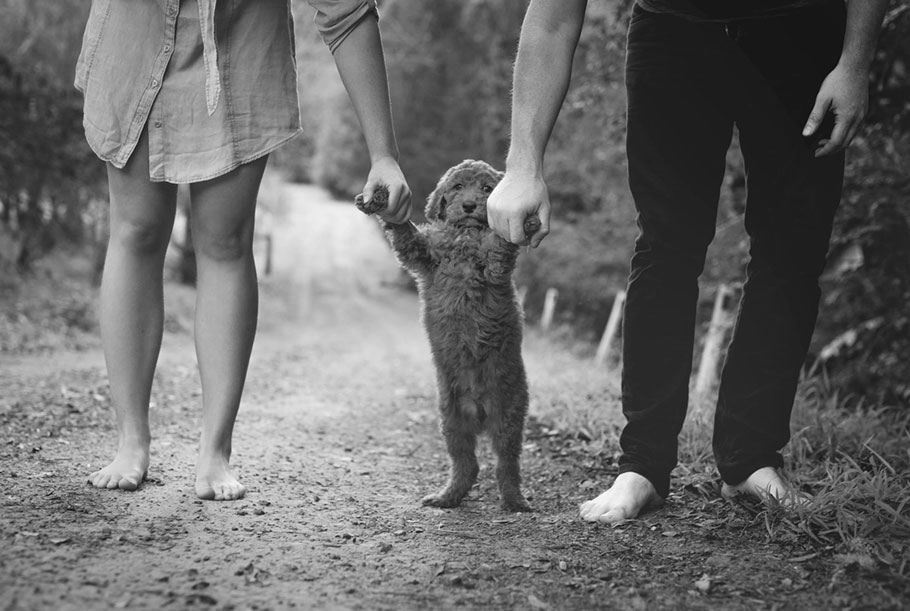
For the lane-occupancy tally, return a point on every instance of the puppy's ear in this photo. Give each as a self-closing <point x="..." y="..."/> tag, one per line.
<point x="436" y="202"/>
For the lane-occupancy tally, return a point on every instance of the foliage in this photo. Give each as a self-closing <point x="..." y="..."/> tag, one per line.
<point x="48" y="176"/>
<point x="853" y="465"/>
<point x="864" y="330"/>
<point x="864" y="333"/>
<point x="54" y="308"/>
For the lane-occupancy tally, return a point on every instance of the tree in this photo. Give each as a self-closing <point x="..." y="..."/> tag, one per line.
<point x="48" y="175"/>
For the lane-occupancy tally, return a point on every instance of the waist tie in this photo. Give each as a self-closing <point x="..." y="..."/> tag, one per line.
<point x="209" y="54"/>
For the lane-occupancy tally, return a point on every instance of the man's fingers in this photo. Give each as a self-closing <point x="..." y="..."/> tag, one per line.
<point x="836" y="141"/>
<point x="517" y="232"/>
<point x="543" y="232"/>
<point x="500" y="225"/>
<point x="853" y="131"/>
<point x="822" y="103"/>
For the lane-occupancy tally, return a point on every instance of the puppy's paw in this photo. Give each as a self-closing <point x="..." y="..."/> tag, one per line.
<point x="531" y="225"/>
<point x="516" y="504"/>
<point x="377" y="203"/>
<point x="441" y="499"/>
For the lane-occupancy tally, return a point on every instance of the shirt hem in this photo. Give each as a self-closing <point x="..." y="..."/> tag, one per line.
<point x="226" y="169"/>
<point x="200" y="178"/>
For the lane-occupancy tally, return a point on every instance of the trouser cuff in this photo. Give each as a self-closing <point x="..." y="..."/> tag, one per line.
<point x="661" y="483"/>
<point x="734" y="474"/>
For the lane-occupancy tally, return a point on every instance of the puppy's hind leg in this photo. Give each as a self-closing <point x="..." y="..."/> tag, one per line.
<point x="507" y="436"/>
<point x="461" y="441"/>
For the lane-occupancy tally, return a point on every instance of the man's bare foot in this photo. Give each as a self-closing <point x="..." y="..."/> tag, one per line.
<point x="215" y="481"/>
<point x="128" y="470"/>
<point x="629" y="495"/>
<point x="765" y="484"/>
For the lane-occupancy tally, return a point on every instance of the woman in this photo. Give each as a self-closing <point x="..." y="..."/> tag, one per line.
<point x="200" y="92"/>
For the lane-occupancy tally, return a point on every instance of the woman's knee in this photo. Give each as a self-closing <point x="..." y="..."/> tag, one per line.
<point x="143" y="237"/>
<point x="223" y="244"/>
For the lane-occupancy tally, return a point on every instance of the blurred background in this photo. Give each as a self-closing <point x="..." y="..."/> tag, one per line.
<point x="450" y="73"/>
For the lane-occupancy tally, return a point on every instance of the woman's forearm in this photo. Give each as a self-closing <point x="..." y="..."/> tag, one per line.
<point x="361" y="64"/>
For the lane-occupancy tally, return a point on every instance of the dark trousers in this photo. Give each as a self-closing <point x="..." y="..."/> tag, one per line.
<point x="688" y="84"/>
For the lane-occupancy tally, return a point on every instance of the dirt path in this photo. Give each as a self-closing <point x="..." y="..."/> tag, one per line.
<point x="337" y="443"/>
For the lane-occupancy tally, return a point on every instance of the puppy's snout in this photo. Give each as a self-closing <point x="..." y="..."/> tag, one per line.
<point x="469" y="207"/>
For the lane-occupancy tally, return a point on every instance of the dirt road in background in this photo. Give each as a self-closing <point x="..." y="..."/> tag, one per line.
<point x="337" y="442"/>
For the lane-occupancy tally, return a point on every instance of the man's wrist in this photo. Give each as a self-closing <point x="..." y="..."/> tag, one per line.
<point x="519" y="162"/>
<point x="856" y="62"/>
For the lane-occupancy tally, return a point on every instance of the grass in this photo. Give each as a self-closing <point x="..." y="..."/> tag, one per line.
<point x="56" y="305"/>
<point x="51" y="308"/>
<point x="852" y="460"/>
<point x="855" y="462"/>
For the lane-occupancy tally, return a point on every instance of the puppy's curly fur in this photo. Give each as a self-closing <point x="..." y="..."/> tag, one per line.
<point x="474" y="323"/>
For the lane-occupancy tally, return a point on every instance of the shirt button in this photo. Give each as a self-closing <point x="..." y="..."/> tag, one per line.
<point x="157" y="123"/>
<point x="167" y="48"/>
<point x="154" y="83"/>
<point x="173" y="9"/>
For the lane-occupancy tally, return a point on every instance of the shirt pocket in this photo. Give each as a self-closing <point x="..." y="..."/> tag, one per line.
<point x="94" y="31"/>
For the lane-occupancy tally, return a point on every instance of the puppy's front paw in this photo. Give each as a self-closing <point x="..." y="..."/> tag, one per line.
<point x="516" y="504"/>
<point x="441" y="499"/>
<point x="377" y="203"/>
<point x="531" y="225"/>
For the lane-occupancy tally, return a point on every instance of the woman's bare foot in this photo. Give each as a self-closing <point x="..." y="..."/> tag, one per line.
<point x="215" y="481"/>
<point x="629" y="495"/>
<point x="765" y="484"/>
<point x="128" y="469"/>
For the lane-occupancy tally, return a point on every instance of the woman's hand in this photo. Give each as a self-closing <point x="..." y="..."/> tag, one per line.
<point x="385" y="171"/>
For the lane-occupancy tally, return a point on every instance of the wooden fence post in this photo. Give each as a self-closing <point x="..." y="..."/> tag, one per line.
<point x="606" y="341"/>
<point x="268" y="254"/>
<point x="717" y="329"/>
<point x="549" y="307"/>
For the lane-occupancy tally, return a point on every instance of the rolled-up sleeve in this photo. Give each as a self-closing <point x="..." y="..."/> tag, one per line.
<point x="336" y="19"/>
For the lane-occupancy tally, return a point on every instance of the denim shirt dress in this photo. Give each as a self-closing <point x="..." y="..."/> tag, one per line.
<point x="213" y="82"/>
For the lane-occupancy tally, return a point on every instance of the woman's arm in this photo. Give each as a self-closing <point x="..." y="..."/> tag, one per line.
<point x="361" y="64"/>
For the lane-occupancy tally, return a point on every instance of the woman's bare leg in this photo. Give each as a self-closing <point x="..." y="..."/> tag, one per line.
<point x="132" y="309"/>
<point x="227" y="306"/>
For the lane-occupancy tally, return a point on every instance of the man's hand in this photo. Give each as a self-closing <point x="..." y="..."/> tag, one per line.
<point x="515" y="198"/>
<point x="845" y="92"/>
<point x="385" y="171"/>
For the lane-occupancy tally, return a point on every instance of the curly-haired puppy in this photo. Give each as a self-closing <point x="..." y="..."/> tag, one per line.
<point x="474" y="323"/>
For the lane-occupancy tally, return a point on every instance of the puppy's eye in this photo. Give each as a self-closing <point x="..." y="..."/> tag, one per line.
<point x="458" y="186"/>
<point x="487" y="189"/>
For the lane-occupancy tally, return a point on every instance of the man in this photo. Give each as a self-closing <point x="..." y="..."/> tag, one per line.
<point x="792" y="76"/>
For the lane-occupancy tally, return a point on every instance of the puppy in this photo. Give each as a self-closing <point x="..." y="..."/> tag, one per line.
<point x="474" y="322"/>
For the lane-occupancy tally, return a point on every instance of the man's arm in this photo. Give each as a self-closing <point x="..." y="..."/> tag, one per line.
<point x="543" y="67"/>
<point x="845" y="91"/>
<point x="361" y="64"/>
